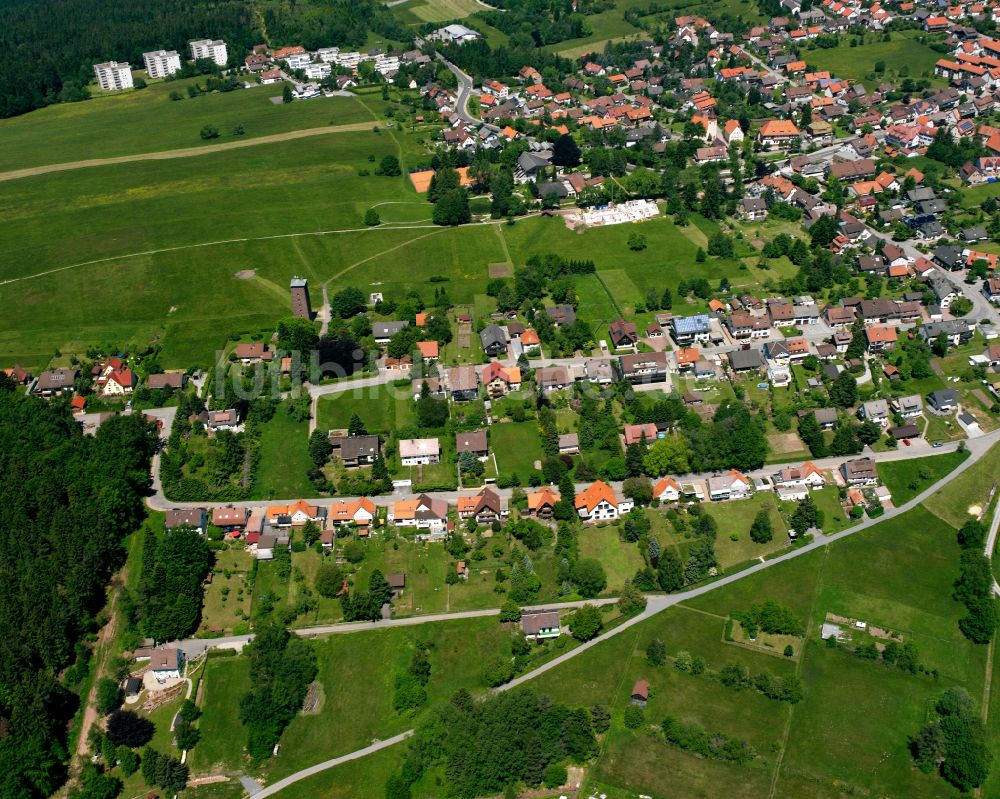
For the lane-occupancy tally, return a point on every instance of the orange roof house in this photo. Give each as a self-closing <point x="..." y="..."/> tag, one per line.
<point x="598" y="498"/>
<point x="541" y="503"/>
<point x="428" y="349"/>
<point x="359" y="511"/>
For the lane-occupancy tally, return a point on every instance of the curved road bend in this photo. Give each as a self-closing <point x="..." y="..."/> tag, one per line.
<point x="657" y="604"/>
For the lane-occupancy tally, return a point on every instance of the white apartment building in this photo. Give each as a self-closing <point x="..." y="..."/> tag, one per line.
<point x="298" y="60"/>
<point x="386" y="63"/>
<point x="161" y="63"/>
<point x="318" y="71"/>
<point x="113" y="76"/>
<point x="328" y="54"/>
<point x="208" y="48"/>
<point x="349" y="60"/>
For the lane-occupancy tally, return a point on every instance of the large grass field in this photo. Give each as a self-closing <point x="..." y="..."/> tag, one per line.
<point x="357" y="673"/>
<point x="148" y="120"/>
<point x="849" y="735"/>
<point x="610" y="24"/>
<point x="906" y="479"/>
<point x="173" y="235"/>
<point x="857" y="62"/>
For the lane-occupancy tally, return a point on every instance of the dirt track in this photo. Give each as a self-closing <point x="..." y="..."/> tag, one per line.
<point x="185" y="152"/>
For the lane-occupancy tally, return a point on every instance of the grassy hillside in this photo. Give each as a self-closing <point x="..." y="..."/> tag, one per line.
<point x="148" y="120"/>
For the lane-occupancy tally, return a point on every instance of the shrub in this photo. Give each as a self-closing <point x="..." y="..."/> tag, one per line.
<point x="634" y="717"/>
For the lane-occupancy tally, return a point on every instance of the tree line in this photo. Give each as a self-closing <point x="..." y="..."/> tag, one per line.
<point x="66" y="503"/>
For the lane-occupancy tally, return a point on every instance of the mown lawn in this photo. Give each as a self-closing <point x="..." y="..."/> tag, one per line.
<point x="517" y="447"/>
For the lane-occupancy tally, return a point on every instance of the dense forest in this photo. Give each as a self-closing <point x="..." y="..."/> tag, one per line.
<point x="43" y="63"/>
<point x="66" y="502"/>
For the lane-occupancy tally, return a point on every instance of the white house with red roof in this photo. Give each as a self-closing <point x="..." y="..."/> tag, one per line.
<point x="599" y="503"/>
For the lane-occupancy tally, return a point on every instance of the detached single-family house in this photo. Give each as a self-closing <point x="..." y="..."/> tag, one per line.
<point x="500" y="380"/>
<point x="876" y="410"/>
<point x="861" y="471"/>
<point x="419" y="451"/>
<point x="944" y="400"/>
<point x="806" y="475"/>
<point x="428" y="516"/>
<point x="196" y="518"/>
<point x="541" y="503"/>
<point x="494" y="340"/>
<point x="356" y="451"/>
<point x="474" y="442"/>
<point x="635" y="433"/>
<point x="731" y="485"/>
<point x="383" y="331"/>
<point x="166" y="664"/>
<point x="667" y="490"/>
<point x="598" y="502"/>
<point x="624" y="335"/>
<point x="909" y="406"/>
<point x="541" y="625"/>
<point x="463" y="382"/>
<point x="644" y="367"/>
<point x="55" y="381"/>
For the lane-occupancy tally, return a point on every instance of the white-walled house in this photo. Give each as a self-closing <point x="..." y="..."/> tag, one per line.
<point x="415" y="451"/>
<point x="600" y="503"/>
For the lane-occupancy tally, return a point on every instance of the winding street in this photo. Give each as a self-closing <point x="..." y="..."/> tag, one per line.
<point x="658" y="603"/>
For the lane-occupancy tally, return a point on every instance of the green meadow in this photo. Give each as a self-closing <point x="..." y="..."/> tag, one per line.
<point x="148" y="120"/>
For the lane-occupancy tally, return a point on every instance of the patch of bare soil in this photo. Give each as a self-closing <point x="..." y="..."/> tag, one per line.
<point x="246" y="274"/>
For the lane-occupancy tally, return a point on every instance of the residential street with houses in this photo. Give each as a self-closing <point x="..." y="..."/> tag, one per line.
<point x="655" y="604"/>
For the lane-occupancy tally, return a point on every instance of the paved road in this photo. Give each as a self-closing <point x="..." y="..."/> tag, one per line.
<point x="991" y="542"/>
<point x="185" y="152"/>
<point x="192" y="647"/>
<point x="465" y="89"/>
<point x="270" y="790"/>
<point x="658" y="603"/>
